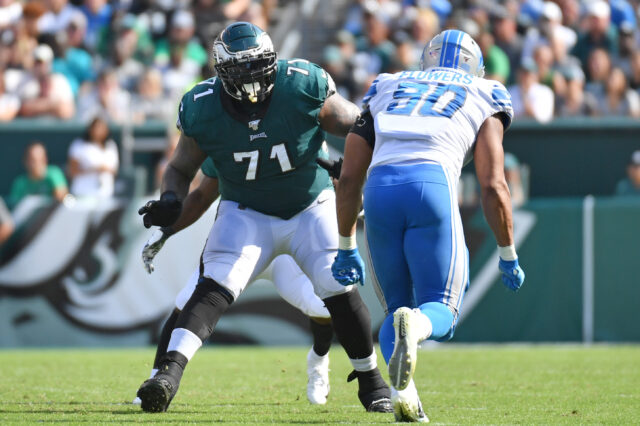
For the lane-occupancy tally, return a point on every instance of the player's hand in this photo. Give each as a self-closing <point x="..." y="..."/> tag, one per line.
<point x="348" y="267"/>
<point x="153" y="246"/>
<point x="512" y="274"/>
<point x="333" y="167"/>
<point x="163" y="212"/>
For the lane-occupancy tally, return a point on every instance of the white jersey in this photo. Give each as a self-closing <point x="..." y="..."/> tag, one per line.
<point x="432" y="115"/>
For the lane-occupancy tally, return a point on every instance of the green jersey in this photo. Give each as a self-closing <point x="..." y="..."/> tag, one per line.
<point x="265" y="161"/>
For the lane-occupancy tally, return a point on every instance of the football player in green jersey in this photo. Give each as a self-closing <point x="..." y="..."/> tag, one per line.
<point x="262" y="122"/>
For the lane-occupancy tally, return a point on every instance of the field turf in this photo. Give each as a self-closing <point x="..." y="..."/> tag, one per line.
<point x="458" y="385"/>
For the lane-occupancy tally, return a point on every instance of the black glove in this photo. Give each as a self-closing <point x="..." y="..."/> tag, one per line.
<point x="163" y="212"/>
<point x="333" y="167"/>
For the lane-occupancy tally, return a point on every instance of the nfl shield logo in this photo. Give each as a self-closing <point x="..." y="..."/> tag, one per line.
<point x="253" y="125"/>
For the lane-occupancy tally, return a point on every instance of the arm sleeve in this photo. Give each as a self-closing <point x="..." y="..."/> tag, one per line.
<point x="364" y="127"/>
<point x="501" y="105"/>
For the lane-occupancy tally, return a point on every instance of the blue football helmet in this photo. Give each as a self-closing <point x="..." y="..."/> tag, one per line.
<point x="454" y="49"/>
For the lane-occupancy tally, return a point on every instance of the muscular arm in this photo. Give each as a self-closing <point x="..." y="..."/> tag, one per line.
<point x="357" y="157"/>
<point x="337" y="115"/>
<point x="182" y="167"/>
<point x="196" y="203"/>
<point x="489" y="163"/>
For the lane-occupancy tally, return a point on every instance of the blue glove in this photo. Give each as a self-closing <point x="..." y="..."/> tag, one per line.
<point x="512" y="274"/>
<point x="348" y="267"/>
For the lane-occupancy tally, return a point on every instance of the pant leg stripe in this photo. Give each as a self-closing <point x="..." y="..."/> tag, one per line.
<point x="374" y="277"/>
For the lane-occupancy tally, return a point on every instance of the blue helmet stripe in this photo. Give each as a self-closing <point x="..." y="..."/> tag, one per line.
<point x="443" y="49"/>
<point x="452" y="48"/>
<point x="457" y="50"/>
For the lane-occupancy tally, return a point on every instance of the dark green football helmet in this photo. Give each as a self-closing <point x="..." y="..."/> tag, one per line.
<point x="245" y="61"/>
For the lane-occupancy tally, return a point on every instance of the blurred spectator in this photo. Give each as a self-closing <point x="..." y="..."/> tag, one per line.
<point x="543" y="57"/>
<point x="93" y="162"/>
<point x="619" y="100"/>
<point x="9" y="103"/>
<point x="549" y="31"/>
<point x="123" y="50"/>
<point x="529" y="97"/>
<point x="106" y="99"/>
<point x="423" y="28"/>
<point x="513" y="175"/>
<point x="622" y="15"/>
<point x="120" y="26"/>
<point x="6" y="222"/>
<point x="570" y="13"/>
<point x="25" y="35"/>
<point x="598" y="69"/>
<point x="599" y="32"/>
<point x="634" y="79"/>
<point x="630" y="186"/>
<point x="40" y="177"/>
<point x="573" y="101"/>
<point x="627" y="45"/>
<point x="57" y="18"/>
<point x="98" y="14"/>
<point x="507" y="39"/>
<point x="10" y="13"/>
<point x="180" y="56"/>
<point x="149" y="102"/>
<point x="43" y="93"/>
<point x="211" y="16"/>
<point x="496" y="62"/>
<point x="406" y="57"/>
<point x="377" y="51"/>
<point x="71" y="59"/>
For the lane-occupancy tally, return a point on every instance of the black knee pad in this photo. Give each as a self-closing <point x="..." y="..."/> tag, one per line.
<point x="205" y="307"/>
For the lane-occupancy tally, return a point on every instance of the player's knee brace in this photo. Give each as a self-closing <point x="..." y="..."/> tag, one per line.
<point x="205" y="307"/>
<point x="351" y="323"/>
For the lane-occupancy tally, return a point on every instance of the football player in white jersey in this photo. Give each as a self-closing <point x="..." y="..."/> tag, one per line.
<point x="290" y="282"/>
<point x="417" y="130"/>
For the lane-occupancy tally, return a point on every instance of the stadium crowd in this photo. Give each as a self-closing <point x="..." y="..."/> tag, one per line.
<point x="132" y="59"/>
<point x="129" y="61"/>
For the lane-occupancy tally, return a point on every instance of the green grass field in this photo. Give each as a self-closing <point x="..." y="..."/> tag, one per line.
<point x="458" y="385"/>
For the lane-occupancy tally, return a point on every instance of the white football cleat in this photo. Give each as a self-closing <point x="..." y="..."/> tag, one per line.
<point x="408" y="334"/>
<point x="136" y="401"/>
<point x="407" y="406"/>
<point x="318" y="372"/>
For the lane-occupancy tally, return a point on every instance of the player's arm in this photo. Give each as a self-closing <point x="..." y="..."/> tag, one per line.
<point x="496" y="199"/>
<point x="181" y="169"/>
<point x="337" y="115"/>
<point x="196" y="203"/>
<point x="357" y="157"/>
<point x="348" y="267"/>
<point x="489" y="163"/>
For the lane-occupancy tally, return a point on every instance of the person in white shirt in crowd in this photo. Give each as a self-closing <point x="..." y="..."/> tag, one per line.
<point x="529" y="97"/>
<point x="42" y="92"/>
<point x="549" y="31"/>
<point x="9" y="103"/>
<point x="93" y="162"/>
<point x="10" y="13"/>
<point x="57" y="18"/>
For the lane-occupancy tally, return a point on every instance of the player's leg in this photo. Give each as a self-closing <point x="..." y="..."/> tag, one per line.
<point x="314" y="246"/>
<point x="240" y="245"/>
<point x="169" y="325"/>
<point x="294" y="287"/>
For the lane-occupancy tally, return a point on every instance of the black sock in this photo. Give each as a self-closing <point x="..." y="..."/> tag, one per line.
<point x="205" y="307"/>
<point x="322" y="336"/>
<point x="351" y="323"/>
<point x="165" y="336"/>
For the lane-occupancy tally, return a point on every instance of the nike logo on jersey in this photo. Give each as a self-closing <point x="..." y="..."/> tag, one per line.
<point x="253" y="125"/>
<point x="258" y="136"/>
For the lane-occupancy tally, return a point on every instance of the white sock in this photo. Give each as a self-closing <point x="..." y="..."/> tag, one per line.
<point x="425" y="325"/>
<point x="153" y="372"/>
<point x="185" y="342"/>
<point x="365" y="364"/>
<point x="315" y="357"/>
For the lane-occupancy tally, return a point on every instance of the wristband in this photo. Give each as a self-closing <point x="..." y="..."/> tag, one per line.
<point x="347" y="243"/>
<point x="508" y="252"/>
